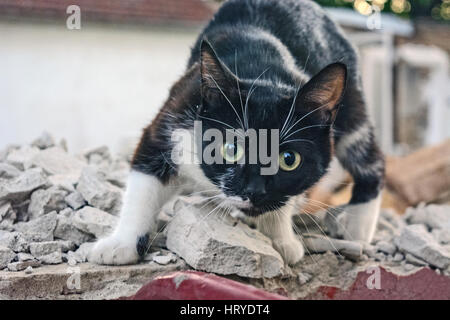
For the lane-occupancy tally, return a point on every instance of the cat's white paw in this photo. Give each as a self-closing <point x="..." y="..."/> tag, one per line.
<point x="114" y="250"/>
<point x="359" y="222"/>
<point x="291" y="249"/>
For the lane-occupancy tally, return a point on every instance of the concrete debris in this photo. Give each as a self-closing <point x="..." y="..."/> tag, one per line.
<point x="44" y="141"/>
<point x="22" y="158"/>
<point x="64" y="181"/>
<point x="98" y="192"/>
<point x="94" y="221"/>
<point x="56" y="161"/>
<point x="45" y="201"/>
<point x="29" y="270"/>
<point x="19" y="266"/>
<point x="66" y="230"/>
<point x="8" y="171"/>
<point x="75" y="200"/>
<point x="40" y="229"/>
<point x="416" y="240"/>
<point x="48" y="252"/>
<point x="386" y="247"/>
<point x="6" y="256"/>
<point x="7" y="216"/>
<point x="433" y="216"/>
<point x="22" y="256"/>
<point x="23" y="185"/>
<point x="222" y="246"/>
<point x="14" y="241"/>
<point x="164" y="259"/>
<point x="319" y="243"/>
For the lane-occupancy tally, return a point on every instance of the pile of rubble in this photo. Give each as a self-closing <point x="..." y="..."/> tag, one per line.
<point x="53" y="206"/>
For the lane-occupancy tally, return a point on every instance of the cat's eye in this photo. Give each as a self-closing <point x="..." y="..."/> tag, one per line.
<point x="289" y="160"/>
<point x="232" y="152"/>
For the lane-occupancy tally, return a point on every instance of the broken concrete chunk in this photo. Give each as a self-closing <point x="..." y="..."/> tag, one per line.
<point x="386" y="247"/>
<point x="21" y="187"/>
<point x="14" y="241"/>
<point x="64" y="181"/>
<point x="83" y="251"/>
<point x="48" y="252"/>
<point x="6" y="256"/>
<point x="75" y="200"/>
<point x="319" y="243"/>
<point x="102" y="153"/>
<point x="7" y="216"/>
<point x="56" y="161"/>
<point x="44" y="141"/>
<point x="8" y="171"/>
<point x="222" y="246"/>
<point x="441" y="235"/>
<point x="45" y="201"/>
<point x="164" y="259"/>
<point x="98" y="192"/>
<point x="434" y="216"/>
<point x="40" y="229"/>
<point x="22" y="256"/>
<point x="94" y="221"/>
<point x="66" y="230"/>
<point x="416" y="240"/>
<point x="22" y="158"/>
<point x="415" y="261"/>
<point x="22" y="265"/>
<point x="66" y="245"/>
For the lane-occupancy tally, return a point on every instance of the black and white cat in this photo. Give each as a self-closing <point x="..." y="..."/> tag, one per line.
<point x="261" y="64"/>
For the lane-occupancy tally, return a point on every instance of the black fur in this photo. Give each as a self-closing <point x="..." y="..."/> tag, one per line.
<point x="249" y="45"/>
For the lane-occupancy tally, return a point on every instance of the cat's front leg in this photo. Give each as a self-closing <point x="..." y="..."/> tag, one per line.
<point x="277" y="225"/>
<point x="143" y="199"/>
<point x="359" y="154"/>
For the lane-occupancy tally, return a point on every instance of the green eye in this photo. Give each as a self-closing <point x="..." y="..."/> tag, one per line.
<point x="232" y="152"/>
<point x="289" y="160"/>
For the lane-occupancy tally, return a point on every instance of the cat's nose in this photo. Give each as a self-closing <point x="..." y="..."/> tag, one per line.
<point x="255" y="191"/>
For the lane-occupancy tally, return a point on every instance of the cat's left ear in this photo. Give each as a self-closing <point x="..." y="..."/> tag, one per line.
<point x="215" y="75"/>
<point x="325" y="91"/>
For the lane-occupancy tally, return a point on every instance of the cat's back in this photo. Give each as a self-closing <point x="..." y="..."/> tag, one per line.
<point x="301" y="25"/>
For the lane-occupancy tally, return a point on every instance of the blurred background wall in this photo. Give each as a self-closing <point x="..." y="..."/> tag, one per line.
<point x="101" y="84"/>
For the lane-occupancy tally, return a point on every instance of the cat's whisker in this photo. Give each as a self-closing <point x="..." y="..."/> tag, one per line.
<point x="250" y="92"/>
<point x="290" y="114"/>
<point x="237" y="83"/>
<point x="228" y="100"/>
<point x="306" y="115"/>
<point x="304" y="128"/>
<point x="297" y="140"/>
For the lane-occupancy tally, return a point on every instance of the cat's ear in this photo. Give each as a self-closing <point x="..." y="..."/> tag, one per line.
<point x="215" y="75"/>
<point x="325" y="91"/>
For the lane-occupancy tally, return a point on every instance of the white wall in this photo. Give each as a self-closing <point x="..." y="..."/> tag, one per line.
<point x="94" y="86"/>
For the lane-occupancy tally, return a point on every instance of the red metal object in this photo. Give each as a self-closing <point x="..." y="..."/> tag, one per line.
<point x="425" y="284"/>
<point x="194" y="285"/>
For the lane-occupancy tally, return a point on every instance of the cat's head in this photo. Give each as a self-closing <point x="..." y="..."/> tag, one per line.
<point x="303" y="117"/>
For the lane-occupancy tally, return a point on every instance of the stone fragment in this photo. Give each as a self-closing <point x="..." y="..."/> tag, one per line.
<point x="415" y="261"/>
<point x="64" y="181"/>
<point x="8" y="171"/>
<point x="164" y="259"/>
<point x="84" y="250"/>
<point x="66" y="230"/>
<point x="434" y="216"/>
<point x="22" y="256"/>
<point x="22" y="265"/>
<point x="14" y="241"/>
<point x="7" y="216"/>
<point x="40" y="229"/>
<point x="386" y="247"/>
<point x="416" y="240"/>
<point x="98" y="192"/>
<point x="319" y="243"/>
<point x="22" y="158"/>
<point x="21" y="187"/>
<point x="6" y="256"/>
<point x="94" y="221"/>
<point x="223" y="246"/>
<point x="75" y="200"/>
<point x="44" y="141"/>
<point x="48" y="252"/>
<point x="45" y="201"/>
<point x="29" y="270"/>
<point x="56" y="161"/>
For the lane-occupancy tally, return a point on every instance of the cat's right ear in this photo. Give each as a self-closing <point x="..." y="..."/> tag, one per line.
<point x="215" y="75"/>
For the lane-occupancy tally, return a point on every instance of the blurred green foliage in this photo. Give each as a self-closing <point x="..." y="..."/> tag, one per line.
<point x="434" y="9"/>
